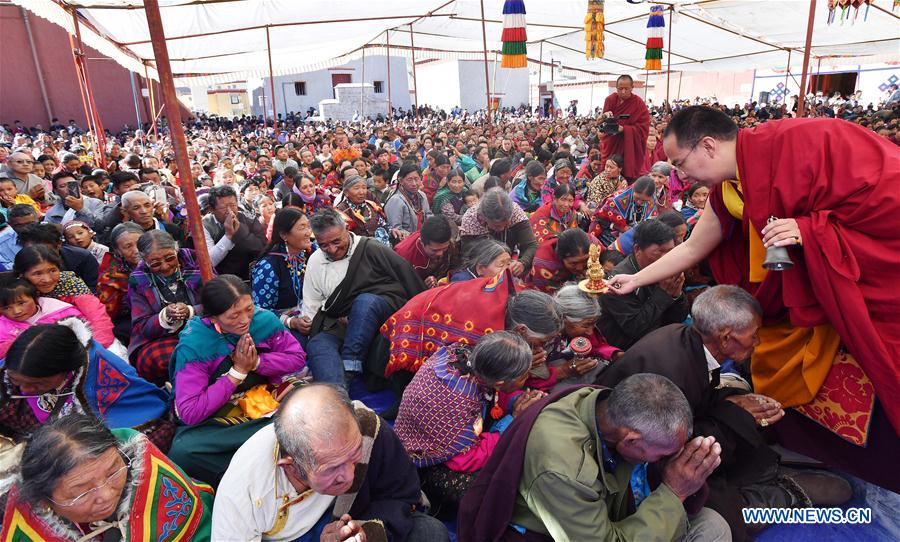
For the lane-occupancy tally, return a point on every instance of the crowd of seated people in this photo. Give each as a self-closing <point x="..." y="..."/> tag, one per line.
<point x="446" y="263"/>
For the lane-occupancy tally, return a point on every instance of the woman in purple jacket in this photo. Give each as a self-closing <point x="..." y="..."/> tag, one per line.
<point x="227" y="371"/>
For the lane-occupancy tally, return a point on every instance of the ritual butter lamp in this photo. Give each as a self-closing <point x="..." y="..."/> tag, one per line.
<point x="594" y="283"/>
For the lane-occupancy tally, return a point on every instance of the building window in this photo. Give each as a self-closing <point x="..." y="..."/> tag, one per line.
<point x="235" y="99"/>
<point x="379" y="86"/>
<point x="300" y="88"/>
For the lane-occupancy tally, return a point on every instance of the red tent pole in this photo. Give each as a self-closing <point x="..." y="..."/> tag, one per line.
<point x="272" y="82"/>
<point x="412" y="44"/>
<point x="801" y="104"/>
<point x="84" y="104"/>
<point x="487" y="82"/>
<point x="387" y="35"/>
<point x="98" y="126"/>
<point x="176" y="131"/>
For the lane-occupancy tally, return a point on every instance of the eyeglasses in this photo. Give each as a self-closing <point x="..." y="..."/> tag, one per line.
<point x="680" y="164"/>
<point x="156" y="264"/>
<point x="113" y="478"/>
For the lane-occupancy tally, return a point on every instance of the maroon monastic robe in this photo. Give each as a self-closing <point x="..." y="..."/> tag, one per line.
<point x="632" y="142"/>
<point x="841" y="183"/>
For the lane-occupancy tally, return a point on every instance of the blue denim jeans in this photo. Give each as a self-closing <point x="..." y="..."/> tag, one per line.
<point x="328" y="357"/>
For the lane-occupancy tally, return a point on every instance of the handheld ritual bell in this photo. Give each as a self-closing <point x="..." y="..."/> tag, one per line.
<point x="777" y="258"/>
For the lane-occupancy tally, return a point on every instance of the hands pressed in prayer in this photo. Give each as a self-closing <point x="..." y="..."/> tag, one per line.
<point x="343" y="530"/>
<point x="764" y="409"/>
<point x="302" y="324"/>
<point x="177" y="311"/>
<point x="783" y="232"/>
<point x="525" y="400"/>
<point x="673" y="285"/>
<point x="576" y="367"/>
<point x="686" y="472"/>
<point x="231" y="224"/>
<point x="245" y="357"/>
<point x="538" y="357"/>
<point x="430" y="282"/>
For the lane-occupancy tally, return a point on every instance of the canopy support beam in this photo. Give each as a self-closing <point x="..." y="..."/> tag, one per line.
<point x="176" y="131"/>
<point x="669" y="58"/>
<point x="412" y="45"/>
<point x="487" y="83"/>
<point x="362" y="89"/>
<point x="152" y="101"/>
<point x="85" y="80"/>
<point x="801" y="100"/>
<point x="272" y="82"/>
<point x="390" y="115"/>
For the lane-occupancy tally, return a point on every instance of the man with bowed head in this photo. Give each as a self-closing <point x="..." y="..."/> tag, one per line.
<point x="631" y="141"/>
<point x="340" y="474"/>
<point x="594" y="463"/>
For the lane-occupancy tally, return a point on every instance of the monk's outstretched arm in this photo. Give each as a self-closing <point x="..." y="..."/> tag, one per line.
<point x="705" y="238"/>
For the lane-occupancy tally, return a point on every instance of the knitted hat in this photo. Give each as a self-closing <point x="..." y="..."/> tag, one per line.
<point x="352" y="181"/>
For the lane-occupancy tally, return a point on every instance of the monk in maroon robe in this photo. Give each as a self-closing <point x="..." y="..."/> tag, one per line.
<point x="832" y="186"/>
<point x="631" y="141"/>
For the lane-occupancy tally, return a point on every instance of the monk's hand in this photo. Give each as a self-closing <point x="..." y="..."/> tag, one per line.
<point x="516" y="268"/>
<point x="686" y="472"/>
<point x="783" y="232"/>
<point x="764" y="410"/>
<point x="622" y="284"/>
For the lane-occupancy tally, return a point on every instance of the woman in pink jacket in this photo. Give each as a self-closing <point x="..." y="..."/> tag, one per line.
<point x="42" y="267"/>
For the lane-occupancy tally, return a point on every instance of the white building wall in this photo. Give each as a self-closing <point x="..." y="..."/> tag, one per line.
<point x="438" y="84"/>
<point x="319" y="87"/>
<point x="510" y="85"/>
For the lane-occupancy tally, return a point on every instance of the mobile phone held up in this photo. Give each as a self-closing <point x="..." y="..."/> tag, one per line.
<point x="73" y="189"/>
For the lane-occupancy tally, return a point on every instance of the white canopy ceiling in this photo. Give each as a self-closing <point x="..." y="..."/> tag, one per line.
<point x="219" y="41"/>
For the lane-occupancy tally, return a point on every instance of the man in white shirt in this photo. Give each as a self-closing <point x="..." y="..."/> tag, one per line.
<point x="352" y="285"/>
<point x="325" y="469"/>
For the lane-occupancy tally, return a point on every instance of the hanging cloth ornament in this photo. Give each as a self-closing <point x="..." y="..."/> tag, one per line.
<point x="844" y="6"/>
<point x="514" y="37"/>
<point x="655" y="27"/>
<point x="593" y="30"/>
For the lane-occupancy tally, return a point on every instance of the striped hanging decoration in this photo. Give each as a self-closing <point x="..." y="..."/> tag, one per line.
<point x="655" y="27"/>
<point x="514" y="37"/>
<point x="593" y="30"/>
<point x="844" y="6"/>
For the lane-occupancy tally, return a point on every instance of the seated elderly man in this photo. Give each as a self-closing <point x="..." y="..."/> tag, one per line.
<point x="233" y="239"/>
<point x="340" y="473"/>
<point x="598" y="464"/>
<point x="137" y="207"/>
<point x="725" y="326"/>
<point x="627" y="318"/>
<point x="352" y="285"/>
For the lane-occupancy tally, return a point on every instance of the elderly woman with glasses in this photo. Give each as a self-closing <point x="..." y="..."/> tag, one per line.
<point x="164" y="293"/>
<point x="81" y="481"/>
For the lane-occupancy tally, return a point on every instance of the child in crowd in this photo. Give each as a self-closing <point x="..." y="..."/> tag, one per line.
<point x="21" y="307"/>
<point x="79" y="234"/>
<point x="9" y="196"/>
